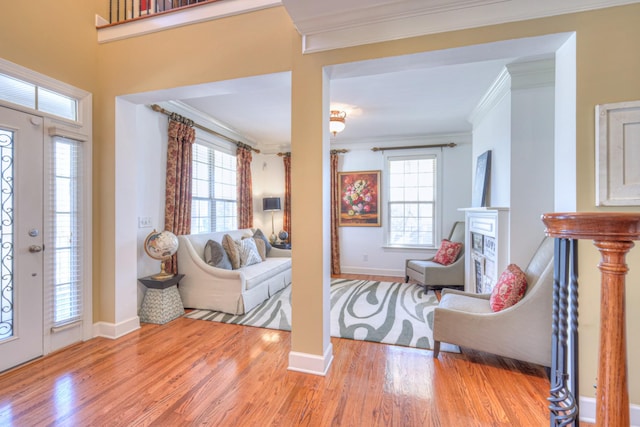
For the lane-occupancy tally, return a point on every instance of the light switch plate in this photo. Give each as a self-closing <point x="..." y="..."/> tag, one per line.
<point x="144" y="222"/>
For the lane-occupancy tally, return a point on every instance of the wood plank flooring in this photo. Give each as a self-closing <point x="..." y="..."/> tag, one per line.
<point x="194" y="372"/>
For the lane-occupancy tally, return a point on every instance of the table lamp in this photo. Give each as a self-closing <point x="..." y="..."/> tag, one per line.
<point x="271" y="204"/>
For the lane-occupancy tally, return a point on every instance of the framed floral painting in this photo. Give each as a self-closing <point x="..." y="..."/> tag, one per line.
<point x="359" y="199"/>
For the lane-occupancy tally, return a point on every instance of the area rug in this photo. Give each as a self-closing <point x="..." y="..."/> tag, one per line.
<point x="383" y="312"/>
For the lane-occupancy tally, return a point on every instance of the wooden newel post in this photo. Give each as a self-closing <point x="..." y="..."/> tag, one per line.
<point x="613" y="235"/>
<point x="612" y="396"/>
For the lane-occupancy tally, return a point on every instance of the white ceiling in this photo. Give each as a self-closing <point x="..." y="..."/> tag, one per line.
<point x="388" y="99"/>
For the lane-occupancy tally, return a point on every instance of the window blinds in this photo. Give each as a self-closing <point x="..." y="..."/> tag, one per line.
<point x="214" y="190"/>
<point x="64" y="249"/>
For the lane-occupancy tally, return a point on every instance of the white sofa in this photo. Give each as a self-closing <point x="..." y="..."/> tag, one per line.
<point x="230" y="291"/>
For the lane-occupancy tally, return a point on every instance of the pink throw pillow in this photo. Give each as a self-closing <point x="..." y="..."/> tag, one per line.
<point x="448" y="252"/>
<point x="509" y="289"/>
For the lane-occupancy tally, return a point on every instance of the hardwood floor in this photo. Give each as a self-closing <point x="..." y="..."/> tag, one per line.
<point x="194" y="372"/>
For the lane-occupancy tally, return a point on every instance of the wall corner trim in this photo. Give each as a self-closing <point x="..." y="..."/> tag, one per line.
<point x="116" y="330"/>
<point x="311" y="363"/>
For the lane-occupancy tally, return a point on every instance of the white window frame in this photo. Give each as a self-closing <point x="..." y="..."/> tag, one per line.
<point x="437" y="210"/>
<point x="206" y="139"/>
<point x="80" y="130"/>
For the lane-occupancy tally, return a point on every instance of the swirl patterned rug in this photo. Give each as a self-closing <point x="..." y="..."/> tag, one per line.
<point x="383" y="312"/>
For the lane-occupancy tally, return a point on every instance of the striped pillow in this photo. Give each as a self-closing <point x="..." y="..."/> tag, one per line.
<point x="249" y="254"/>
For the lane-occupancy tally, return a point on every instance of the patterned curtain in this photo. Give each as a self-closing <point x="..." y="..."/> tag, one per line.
<point x="335" y="208"/>
<point x="177" y="208"/>
<point x="245" y="191"/>
<point x="286" y="225"/>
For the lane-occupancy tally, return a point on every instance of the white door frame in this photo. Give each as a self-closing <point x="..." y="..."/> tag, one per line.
<point x="79" y="130"/>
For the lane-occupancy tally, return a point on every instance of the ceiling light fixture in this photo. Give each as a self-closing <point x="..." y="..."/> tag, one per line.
<point x="336" y="121"/>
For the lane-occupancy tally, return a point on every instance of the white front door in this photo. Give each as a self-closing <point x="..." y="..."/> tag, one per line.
<point x="21" y="237"/>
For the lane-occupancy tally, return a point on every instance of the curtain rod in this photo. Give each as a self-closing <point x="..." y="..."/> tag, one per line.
<point x="450" y="144"/>
<point x="159" y="109"/>
<point x="337" y="151"/>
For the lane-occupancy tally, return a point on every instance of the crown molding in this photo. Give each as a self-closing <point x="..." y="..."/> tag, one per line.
<point x="500" y="88"/>
<point x="207" y="121"/>
<point x="532" y="74"/>
<point x="521" y="75"/>
<point x="410" y="18"/>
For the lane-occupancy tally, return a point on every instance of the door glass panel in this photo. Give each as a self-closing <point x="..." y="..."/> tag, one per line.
<point x="6" y="234"/>
<point x="65" y="216"/>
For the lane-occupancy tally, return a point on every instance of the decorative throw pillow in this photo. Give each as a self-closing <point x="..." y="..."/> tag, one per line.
<point x="216" y="256"/>
<point x="260" y="244"/>
<point x="248" y="252"/>
<point x="260" y="235"/>
<point x="232" y="251"/>
<point x="262" y="248"/>
<point x="509" y="289"/>
<point x="448" y="252"/>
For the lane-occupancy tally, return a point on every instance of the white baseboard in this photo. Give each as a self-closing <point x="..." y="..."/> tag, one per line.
<point x="371" y="271"/>
<point x="116" y="330"/>
<point x="311" y="363"/>
<point x="588" y="411"/>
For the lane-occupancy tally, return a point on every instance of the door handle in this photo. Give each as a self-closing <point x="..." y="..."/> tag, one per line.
<point x="35" y="249"/>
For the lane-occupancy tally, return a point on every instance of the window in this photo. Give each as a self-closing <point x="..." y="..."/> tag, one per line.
<point x="411" y="195"/>
<point x="65" y="249"/>
<point x="214" y="206"/>
<point x="38" y="98"/>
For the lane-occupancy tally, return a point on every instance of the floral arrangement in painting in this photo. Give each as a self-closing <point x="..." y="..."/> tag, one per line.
<point x="360" y="197"/>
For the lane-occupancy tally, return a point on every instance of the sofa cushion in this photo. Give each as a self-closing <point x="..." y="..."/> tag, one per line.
<point x="260" y="235"/>
<point x="232" y="250"/>
<point x="448" y="252"/>
<point x="216" y="256"/>
<point x="248" y="252"/>
<point x="509" y="289"/>
<point x="466" y="303"/>
<point x="257" y="274"/>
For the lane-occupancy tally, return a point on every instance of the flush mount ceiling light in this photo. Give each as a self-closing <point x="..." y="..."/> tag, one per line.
<point x="336" y="121"/>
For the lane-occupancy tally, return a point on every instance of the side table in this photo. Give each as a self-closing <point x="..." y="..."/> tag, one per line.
<point x="281" y="245"/>
<point x="162" y="302"/>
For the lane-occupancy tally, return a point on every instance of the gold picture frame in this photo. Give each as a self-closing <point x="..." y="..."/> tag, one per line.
<point x="359" y="199"/>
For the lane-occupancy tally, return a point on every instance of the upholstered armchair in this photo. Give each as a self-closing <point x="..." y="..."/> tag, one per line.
<point x="430" y="273"/>
<point x="522" y="331"/>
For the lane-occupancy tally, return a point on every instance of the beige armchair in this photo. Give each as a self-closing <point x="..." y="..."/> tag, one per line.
<point x="522" y="331"/>
<point x="429" y="273"/>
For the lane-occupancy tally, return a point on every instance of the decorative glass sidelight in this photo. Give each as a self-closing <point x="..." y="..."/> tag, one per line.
<point x="6" y="234"/>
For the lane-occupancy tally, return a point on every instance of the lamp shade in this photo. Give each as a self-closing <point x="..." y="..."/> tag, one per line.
<point x="271" y="204"/>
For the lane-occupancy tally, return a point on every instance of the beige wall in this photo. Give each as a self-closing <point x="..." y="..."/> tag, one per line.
<point x="54" y="38"/>
<point x="265" y="42"/>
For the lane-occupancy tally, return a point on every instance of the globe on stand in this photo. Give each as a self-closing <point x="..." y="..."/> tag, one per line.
<point x="283" y="236"/>
<point x="161" y="246"/>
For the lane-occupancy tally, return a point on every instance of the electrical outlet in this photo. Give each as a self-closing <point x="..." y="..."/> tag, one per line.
<point x="365" y="257"/>
<point x="144" y="222"/>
